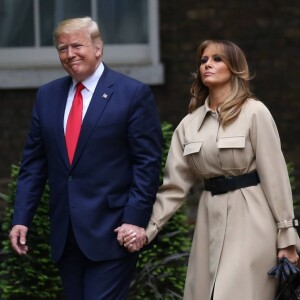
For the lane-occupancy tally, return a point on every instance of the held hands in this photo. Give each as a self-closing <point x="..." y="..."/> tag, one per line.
<point x="17" y="238"/>
<point x="131" y="237"/>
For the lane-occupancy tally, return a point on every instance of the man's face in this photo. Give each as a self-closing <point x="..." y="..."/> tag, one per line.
<point x="78" y="54"/>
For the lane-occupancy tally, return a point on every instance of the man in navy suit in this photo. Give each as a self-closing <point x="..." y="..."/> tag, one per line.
<point x="109" y="179"/>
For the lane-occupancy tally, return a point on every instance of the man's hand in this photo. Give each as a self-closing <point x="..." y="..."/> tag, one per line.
<point x="17" y="238"/>
<point x="131" y="237"/>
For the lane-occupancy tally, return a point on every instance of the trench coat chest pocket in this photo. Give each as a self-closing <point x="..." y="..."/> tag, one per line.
<point x="232" y="152"/>
<point x="192" y="151"/>
<point x="190" y="148"/>
<point x="117" y="201"/>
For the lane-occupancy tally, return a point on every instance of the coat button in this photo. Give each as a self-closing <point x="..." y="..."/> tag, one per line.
<point x="70" y="178"/>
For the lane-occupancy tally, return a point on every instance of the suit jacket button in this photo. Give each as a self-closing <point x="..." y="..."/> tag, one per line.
<point x="70" y="178"/>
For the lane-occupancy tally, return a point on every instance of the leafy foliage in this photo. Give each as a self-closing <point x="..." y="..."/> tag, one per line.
<point x="160" y="271"/>
<point x="33" y="276"/>
<point x="296" y="202"/>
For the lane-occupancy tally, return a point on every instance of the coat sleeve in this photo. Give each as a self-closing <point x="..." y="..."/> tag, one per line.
<point x="273" y="174"/>
<point x="178" y="179"/>
<point x="145" y="147"/>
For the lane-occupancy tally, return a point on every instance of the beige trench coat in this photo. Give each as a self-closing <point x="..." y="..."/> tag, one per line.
<point x="236" y="237"/>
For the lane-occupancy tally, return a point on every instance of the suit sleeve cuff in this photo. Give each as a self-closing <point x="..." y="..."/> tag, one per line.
<point x="136" y="217"/>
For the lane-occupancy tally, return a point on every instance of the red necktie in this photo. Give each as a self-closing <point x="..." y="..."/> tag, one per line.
<point x="74" y="122"/>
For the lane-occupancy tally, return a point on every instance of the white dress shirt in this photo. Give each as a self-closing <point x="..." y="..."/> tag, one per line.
<point x="87" y="93"/>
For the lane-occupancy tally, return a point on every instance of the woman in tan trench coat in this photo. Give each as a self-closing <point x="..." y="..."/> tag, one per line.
<point x="244" y="221"/>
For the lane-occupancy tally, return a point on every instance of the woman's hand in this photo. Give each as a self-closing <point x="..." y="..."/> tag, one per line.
<point x="290" y="253"/>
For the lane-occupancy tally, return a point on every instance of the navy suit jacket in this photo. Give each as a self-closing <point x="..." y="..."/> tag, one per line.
<point x="114" y="176"/>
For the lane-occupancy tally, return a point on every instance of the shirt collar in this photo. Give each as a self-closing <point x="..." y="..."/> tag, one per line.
<point x="91" y="82"/>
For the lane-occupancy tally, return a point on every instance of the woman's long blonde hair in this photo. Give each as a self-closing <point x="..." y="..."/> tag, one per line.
<point x="236" y="62"/>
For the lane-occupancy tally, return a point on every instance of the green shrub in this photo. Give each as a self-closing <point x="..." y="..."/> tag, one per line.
<point x="160" y="271"/>
<point x="296" y="202"/>
<point x="34" y="276"/>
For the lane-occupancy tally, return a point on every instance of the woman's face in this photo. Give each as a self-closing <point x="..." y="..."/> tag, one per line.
<point x="213" y="71"/>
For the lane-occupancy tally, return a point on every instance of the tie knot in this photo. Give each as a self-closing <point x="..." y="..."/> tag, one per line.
<point x="79" y="87"/>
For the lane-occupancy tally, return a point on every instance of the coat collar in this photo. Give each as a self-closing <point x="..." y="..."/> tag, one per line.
<point x="203" y="111"/>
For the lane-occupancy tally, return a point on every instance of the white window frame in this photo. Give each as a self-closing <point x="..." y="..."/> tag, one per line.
<point x="31" y="67"/>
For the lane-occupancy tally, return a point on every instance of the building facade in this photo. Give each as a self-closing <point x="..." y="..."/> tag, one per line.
<point x="154" y="41"/>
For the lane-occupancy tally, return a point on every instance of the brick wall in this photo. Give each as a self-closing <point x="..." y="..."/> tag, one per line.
<point x="268" y="32"/>
<point x="15" y="111"/>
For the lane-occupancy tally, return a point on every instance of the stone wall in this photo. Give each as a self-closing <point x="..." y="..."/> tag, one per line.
<point x="268" y="32"/>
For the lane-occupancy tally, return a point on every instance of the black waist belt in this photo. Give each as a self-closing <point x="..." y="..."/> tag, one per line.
<point x="221" y="185"/>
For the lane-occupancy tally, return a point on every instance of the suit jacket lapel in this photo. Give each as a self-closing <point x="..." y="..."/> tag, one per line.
<point x="59" y="123"/>
<point x="96" y="108"/>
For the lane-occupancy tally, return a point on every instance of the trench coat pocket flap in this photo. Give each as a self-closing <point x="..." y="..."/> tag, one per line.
<point x="232" y="142"/>
<point x="115" y="201"/>
<point x="193" y="147"/>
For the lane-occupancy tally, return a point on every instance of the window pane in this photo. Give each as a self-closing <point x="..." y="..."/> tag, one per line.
<point x="52" y="12"/>
<point x="123" y="21"/>
<point x="16" y="23"/>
